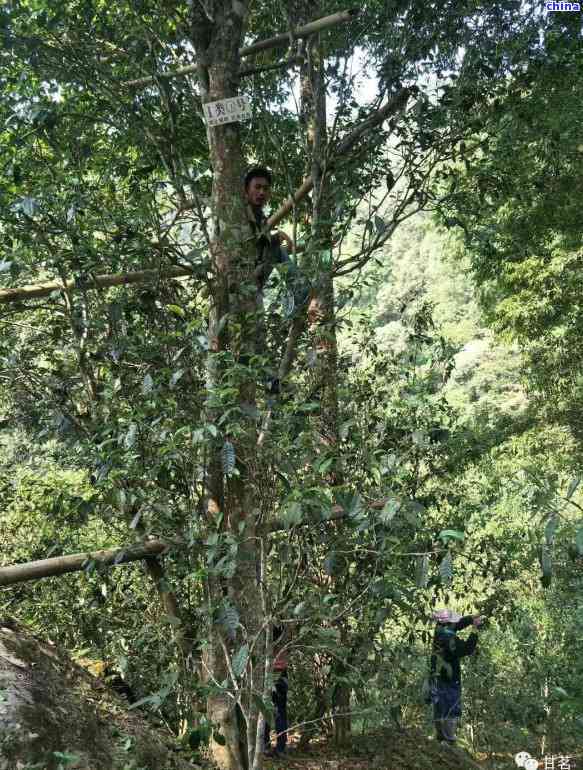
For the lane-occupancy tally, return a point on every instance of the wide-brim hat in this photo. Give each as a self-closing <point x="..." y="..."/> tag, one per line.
<point x="446" y="615"/>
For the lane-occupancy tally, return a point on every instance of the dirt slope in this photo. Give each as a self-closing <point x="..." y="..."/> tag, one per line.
<point x="52" y="712"/>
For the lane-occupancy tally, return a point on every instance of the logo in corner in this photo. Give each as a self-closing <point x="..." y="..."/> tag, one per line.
<point x="523" y="759"/>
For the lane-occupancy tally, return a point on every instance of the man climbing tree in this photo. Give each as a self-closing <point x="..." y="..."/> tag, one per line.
<point x="272" y="250"/>
<point x="258" y="182"/>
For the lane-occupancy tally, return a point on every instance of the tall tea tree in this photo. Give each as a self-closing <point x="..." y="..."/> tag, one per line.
<point x="106" y="173"/>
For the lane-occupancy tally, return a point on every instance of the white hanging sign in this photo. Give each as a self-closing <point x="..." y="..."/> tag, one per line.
<point x="227" y="110"/>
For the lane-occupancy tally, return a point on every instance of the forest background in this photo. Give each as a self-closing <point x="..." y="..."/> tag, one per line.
<point x="424" y="445"/>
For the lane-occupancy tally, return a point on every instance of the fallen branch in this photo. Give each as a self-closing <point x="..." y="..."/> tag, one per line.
<point x="262" y="45"/>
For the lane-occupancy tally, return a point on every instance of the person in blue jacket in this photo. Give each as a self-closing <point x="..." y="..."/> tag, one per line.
<point x="447" y="651"/>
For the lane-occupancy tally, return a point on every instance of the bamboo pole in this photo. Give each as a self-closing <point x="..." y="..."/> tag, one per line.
<point x="280" y="65"/>
<point x="34" y="291"/>
<point x="61" y="565"/>
<point x="262" y="45"/>
<point x="114" y="557"/>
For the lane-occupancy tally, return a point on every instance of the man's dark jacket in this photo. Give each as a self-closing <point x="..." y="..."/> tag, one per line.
<point x="448" y="649"/>
<point x="269" y="250"/>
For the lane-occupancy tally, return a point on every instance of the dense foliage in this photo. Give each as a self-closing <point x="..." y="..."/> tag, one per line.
<point x="405" y="459"/>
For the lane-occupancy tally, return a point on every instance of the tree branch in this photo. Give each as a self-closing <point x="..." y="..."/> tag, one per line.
<point x="396" y="104"/>
<point x="114" y="557"/>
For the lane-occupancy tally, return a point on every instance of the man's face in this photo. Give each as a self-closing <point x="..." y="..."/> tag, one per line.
<point x="258" y="191"/>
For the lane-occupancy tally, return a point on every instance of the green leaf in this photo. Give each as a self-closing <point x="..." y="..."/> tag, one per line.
<point x="27" y="205"/>
<point x="390" y="508"/>
<point x="573" y="487"/>
<point x="345" y="429"/>
<point x="421" y="570"/>
<point x="311" y="406"/>
<point x="65" y="758"/>
<point x="551" y="528"/>
<point x="328" y="636"/>
<point x="292" y="514"/>
<point x="131" y="435"/>
<point x="419" y="437"/>
<point x="579" y="541"/>
<point x="176" y="310"/>
<point x="136" y="520"/>
<point x="228" y="618"/>
<point x="325" y="465"/>
<point x="197" y="436"/>
<point x="412" y="511"/>
<point x="239" y="663"/>
<point x="546" y="561"/>
<point x="451" y="534"/>
<point x="176" y="377"/>
<point x="355" y="507"/>
<point x="287" y="304"/>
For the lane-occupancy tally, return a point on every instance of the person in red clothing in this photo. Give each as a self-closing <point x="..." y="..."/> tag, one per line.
<point x="279" y="698"/>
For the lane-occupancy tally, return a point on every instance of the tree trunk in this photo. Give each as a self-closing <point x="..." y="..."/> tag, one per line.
<point x="233" y="325"/>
